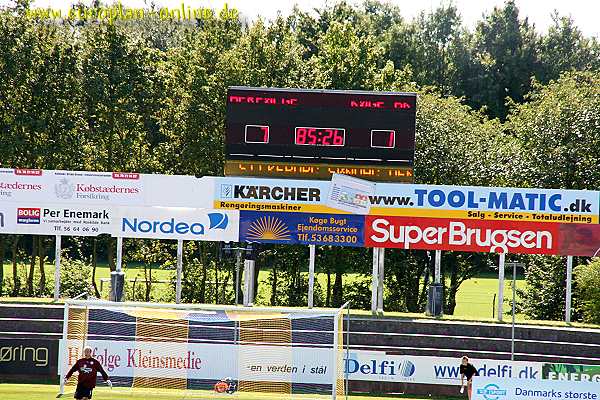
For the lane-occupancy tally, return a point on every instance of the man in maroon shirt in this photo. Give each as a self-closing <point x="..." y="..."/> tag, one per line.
<point x="88" y="368"/>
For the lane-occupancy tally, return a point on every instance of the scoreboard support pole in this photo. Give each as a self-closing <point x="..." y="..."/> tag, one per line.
<point x="57" y="248"/>
<point x="377" y="282"/>
<point x="438" y="267"/>
<point x="117" y="277"/>
<point x="501" y="285"/>
<point x="311" y="274"/>
<point x="179" y="271"/>
<point x="380" y="277"/>
<point x="569" y="287"/>
<point x="248" y="282"/>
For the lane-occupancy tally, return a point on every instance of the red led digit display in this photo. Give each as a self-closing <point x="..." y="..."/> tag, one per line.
<point x="320" y="136"/>
<point x="383" y="138"/>
<point x="257" y="134"/>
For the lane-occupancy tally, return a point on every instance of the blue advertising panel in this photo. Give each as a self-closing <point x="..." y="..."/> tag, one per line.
<point x="485" y="388"/>
<point x="302" y="228"/>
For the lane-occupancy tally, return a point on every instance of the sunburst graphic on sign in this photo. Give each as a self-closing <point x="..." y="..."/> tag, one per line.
<point x="268" y="228"/>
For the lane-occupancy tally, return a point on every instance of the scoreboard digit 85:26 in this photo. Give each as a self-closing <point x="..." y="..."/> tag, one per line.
<point x="311" y="134"/>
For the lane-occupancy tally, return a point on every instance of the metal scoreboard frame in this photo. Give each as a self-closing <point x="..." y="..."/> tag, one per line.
<point x="304" y="133"/>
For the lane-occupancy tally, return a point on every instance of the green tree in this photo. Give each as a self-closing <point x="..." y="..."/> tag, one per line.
<point x="564" y="48"/>
<point x="347" y="60"/>
<point x="75" y="277"/>
<point x="427" y="45"/>
<point x="558" y="134"/>
<point x="450" y="137"/>
<point x="407" y="274"/>
<point x="544" y="296"/>
<point x="587" y="290"/>
<point x="507" y="48"/>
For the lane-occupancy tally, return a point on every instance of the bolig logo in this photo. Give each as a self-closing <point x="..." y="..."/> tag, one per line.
<point x="28" y="215"/>
<point x="28" y="212"/>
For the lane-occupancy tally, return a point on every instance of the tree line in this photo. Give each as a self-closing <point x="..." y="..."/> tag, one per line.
<point x="499" y="105"/>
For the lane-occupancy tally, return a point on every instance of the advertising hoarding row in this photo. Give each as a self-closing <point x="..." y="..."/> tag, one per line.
<point x="502" y="220"/>
<point x="301" y="364"/>
<point x="429" y="217"/>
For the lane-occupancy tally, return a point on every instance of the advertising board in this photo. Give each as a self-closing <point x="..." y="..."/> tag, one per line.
<point x="513" y="389"/>
<point x="276" y="363"/>
<point x="42" y="218"/>
<point x="32" y="357"/>
<point x="302" y="228"/>
<point x="571" y="372"/>
<point x="407" y="200"/>
<point x="97" y="188"/>
<point x="482" y="236"/>
<point x="176" y="223"/>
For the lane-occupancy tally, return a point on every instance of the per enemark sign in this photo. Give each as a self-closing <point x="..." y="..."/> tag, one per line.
<point x="55" y="219"/>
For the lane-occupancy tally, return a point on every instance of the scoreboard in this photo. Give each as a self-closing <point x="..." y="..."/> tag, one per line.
<point x="311" y="134"/>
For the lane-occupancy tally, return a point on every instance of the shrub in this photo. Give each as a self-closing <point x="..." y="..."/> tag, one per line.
<point x="587" y="281"/>
<point x="75" y="278"/>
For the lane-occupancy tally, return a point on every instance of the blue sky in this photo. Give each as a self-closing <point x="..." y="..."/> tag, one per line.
<point x="585" y="12"/>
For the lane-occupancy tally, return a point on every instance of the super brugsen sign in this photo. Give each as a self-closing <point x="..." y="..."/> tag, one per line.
<point x="482" y="235"/>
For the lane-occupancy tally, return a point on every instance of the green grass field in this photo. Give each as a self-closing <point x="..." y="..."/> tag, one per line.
<point x="475" y="298"/>
<point x="43" y="392"/>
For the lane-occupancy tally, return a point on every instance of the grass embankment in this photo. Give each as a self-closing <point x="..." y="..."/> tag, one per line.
<point x="46" y="392"/>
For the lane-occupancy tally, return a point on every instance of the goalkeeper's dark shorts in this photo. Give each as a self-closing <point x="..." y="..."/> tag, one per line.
<point x="82" y="392"/>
